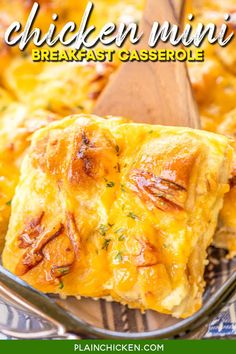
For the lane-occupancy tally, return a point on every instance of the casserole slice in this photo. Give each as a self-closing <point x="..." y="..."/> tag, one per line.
<point x="117" y="210"/>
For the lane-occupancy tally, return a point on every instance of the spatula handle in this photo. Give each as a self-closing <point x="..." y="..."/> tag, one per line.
<point x="152" y="92"/>
<point x="178" y="8"/>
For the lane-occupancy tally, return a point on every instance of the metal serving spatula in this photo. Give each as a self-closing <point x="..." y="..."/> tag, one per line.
<point x="152" y="92"/>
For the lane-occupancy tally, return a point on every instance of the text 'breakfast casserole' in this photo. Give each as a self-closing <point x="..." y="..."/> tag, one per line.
<point x="108" y="208"/>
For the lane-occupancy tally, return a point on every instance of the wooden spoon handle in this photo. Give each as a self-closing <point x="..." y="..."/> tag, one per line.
<point x="152" y="92"/>
<point x="178" y="7"/>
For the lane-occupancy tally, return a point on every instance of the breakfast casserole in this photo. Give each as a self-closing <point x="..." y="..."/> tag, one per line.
<point x="106" y="208"/>
<point x="136" y="228"/>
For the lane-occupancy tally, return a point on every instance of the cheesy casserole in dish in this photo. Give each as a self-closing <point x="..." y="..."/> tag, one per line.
<point x="105" y="207"/>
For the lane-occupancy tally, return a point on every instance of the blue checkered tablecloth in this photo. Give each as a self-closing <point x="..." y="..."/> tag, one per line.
<point x="224" y="325"/>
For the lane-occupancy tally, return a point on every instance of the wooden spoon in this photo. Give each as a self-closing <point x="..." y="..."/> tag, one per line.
<point x="152" y="92"/>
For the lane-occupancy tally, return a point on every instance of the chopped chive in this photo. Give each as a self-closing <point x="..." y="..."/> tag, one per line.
<point x="61" y="284"/>
<point x="9" y="203"/>
<point x="123" y="188"/>
<point x="120" y="232"/>
<point x="132" y="216"/>
<point x="103" y="229"/>
<point x="110" y="184"/>
<point x="63" y="270"/>
<point x="119" y="257"/>
<point x="106" y="244"/>
<point x="121" y="238"/>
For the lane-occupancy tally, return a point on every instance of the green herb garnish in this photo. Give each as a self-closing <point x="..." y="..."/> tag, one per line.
<point x="103" y="229"/>
<point x="132" y="216"/>
<point x="119" y="257"/>
<point x="106" y="244"/>
<point x="120" y="232"/>
<point x="61" y="284"/>
<point x="110" y="184"/>
<point x="9" y="203"/>
<point x="121" y="238"/>
<point x="123" y="188"/>
<point x="63" y="270"/>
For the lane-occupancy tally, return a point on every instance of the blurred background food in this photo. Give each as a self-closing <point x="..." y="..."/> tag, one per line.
<point x="33" y="94"/>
